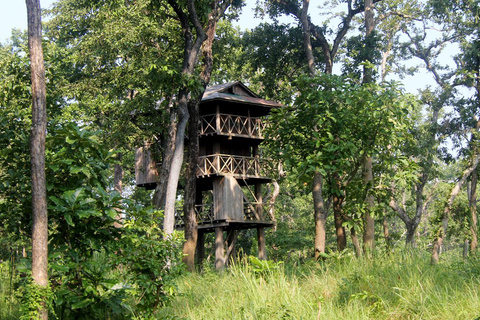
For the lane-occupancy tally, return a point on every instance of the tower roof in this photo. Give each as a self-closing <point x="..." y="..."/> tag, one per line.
<point x="236" y="92"/>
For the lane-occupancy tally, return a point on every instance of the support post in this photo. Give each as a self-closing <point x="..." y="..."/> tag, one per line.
<point x="200" y="254"/>
<point x="219" y="249"/>
<point x="262" y="250"/>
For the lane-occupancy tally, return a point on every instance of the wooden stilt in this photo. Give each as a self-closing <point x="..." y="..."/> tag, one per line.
<point x="231" y="241"/>
<point x="262" y="250"/>
<point x="219" y="249"/>
<point x="200" y="254"/>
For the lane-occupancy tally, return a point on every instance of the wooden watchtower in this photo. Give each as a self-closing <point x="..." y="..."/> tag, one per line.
<point x="231" y="170"/>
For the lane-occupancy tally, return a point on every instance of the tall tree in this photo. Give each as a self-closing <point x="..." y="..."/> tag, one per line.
<point x="37" y="152"/>
<point x="315" y="37"/>
<point x="463" y="22"/>
<point x="369" y="225"/>
<point x="199" y="23"/>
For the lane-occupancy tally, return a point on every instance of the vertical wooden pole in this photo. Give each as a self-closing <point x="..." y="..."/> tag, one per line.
<point x="262" y="250"/>
<point x="217" y="119"/>
<point x="200" y="254"/>
<point x="219" y="249"/>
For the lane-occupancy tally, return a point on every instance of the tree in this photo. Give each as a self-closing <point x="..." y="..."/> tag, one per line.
<point x="37" y="153"/>
<point x="161" y="83"/>
<point x="461" y="22"/>
<point x="325" y="131"/>
<point x="315" y="38"/>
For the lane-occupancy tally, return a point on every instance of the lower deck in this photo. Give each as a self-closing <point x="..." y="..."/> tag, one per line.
<point x="230" y="225"/>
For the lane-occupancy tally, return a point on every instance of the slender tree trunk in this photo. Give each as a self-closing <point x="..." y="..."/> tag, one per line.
<point x="118" y="186"/>
<point x="368" y="222"/>
<point x="386" y="234"/>
<point x="438" y="242"/>
<point x="473" y="211"/>
<point x="160" y="194"/>
<point x="339" y="220"/>
<point x="271" y="208"/>
<point x="191" y="227"/>
<point x="320" y="215"/>
<point x="37" y="152"/>
<point x="306" y="37"/>
<point x="176" y="165"/>
<point x="356" y="243"/>
<point x="410" y="237"/>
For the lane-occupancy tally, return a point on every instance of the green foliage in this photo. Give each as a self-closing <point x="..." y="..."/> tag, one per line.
<point x="263" y="267"/>
<point x="33" y="297"/>
<point x="15" y="119"/>
<point x="399" y="286"/>
<point x="96" y="269"/>
<point x="361" y="50"/>
<point x="101" y="270"/>
<point x="334" y="123"/>
<point x="10" y="302"/>
<point x="153" y="263"/>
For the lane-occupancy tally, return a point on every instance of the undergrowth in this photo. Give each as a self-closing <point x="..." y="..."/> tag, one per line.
<point x="398" y="286"/>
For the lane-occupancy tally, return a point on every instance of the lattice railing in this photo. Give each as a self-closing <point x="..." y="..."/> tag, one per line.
<point x="229" y="164"/>
<point x="253" y="211"/>
<point x="232" y="125"/>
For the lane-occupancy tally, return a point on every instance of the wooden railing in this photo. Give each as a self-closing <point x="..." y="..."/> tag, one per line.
<point x="231" y="125"/>
<point x="253" y="211"/>
<point x="229" y="164"/>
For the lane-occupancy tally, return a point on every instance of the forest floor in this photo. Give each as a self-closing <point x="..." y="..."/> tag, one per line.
<point x="395" y="286"/>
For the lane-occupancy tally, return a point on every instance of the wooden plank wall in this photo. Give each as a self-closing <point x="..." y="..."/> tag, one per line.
<point x="145" y="167"/>
<point x="228" y="199"/>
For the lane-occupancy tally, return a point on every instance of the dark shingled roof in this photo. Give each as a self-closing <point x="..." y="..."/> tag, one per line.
<point x="224" y="92"/>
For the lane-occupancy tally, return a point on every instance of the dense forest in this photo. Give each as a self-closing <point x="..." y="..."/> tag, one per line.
<point x="375" y="212"/>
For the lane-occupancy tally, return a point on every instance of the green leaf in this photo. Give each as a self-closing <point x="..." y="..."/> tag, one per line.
<point x="70" y="140"/>
<point x="68" y="218"/>
<point x="81" y="304"/>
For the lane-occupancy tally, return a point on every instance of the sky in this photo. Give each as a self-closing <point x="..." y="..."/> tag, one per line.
<point x="14" y="15"/>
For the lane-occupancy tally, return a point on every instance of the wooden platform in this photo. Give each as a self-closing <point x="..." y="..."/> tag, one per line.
<point x="231" y="225"/>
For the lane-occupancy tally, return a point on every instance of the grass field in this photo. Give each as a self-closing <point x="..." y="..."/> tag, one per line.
<point x="397" y="286"/>
<point x="400" y="286"/>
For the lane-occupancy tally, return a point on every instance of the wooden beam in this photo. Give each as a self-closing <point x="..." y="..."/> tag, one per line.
<point x="262" y="250"/>
<point x="219" y="250"/>
<point x="200" y="254"/>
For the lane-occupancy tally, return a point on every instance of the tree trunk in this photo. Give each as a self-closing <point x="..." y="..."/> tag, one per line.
<point x="306" y="37"/>
<point x="369" y="27"/>
<point x="320" y="215"/>
<point x="339" y="220"/>
<point x="176" y="165"/>
<point x="356" y="243"/>
<point x="368" y="222"/>
<point x="410" y="237"/>
<point x="438" y="242"/>
<point x="271" y="208"/>
<point x="160" y="193"/>
<point x="191" y="227"/>
<point x="37" y="152"/>
<point x="386" y="234"/>
<point x="118" y="186"/>
<point x="472" y="201"/>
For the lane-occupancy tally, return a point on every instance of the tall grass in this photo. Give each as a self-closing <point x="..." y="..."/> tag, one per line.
<point x="399" y="286"/>
<point x="9" y="302"/>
